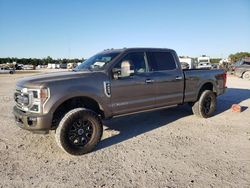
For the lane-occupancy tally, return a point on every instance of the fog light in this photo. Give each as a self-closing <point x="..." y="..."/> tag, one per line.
<point x="34" y="108"/>
<point x="32" y="121"/>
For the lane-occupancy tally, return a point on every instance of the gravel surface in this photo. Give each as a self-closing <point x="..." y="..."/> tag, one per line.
<point x="166" y="148"/>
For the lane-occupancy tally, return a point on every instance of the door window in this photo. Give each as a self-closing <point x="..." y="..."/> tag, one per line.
<point x="160" y="61"/>
<point x="136" y="61"/>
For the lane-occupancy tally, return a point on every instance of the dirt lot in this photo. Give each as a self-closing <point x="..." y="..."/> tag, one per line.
<point x="166" y="148"/>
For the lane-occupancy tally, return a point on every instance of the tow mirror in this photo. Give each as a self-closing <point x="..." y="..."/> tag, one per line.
<point x="126" y="70"/>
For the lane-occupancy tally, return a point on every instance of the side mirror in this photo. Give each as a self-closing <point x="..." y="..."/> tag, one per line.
<point x="127" y="69"/>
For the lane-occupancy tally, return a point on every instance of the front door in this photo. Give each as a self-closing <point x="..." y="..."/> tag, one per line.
<point x="133" y="92"/>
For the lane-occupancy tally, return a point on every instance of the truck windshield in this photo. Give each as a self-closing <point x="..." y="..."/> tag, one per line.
<point x="96" y="62"/>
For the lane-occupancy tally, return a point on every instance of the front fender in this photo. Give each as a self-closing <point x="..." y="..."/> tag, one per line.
<point x="61" y="95"/>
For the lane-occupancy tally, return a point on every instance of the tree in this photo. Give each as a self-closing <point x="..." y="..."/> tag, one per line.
<point x="215" y="60"/>
<point x="48" y="60"/>
<point x="238" y="56"/>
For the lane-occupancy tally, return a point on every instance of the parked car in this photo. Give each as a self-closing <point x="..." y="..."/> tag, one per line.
<point x="28" y="67"/>
<point x="215" y="66"/>
<point x="242" y="70"/>
<point x="63" y="66"/>
<point x="6" y="70"/>
<point x="109" y="84"/>
<point x="18" y="66"/>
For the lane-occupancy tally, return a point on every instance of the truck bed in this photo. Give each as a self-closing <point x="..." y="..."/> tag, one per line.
<point x="195" y="78"/>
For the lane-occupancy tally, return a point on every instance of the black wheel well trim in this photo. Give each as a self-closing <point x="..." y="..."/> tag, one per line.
<point x="206" y="86"/>
<point x="75" y="102"/>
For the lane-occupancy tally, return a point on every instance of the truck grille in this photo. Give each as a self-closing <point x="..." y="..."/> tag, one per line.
<point x="21" y="99"/>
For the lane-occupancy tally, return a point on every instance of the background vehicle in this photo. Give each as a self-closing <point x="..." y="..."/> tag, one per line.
<point x="242" y="69"/>
<point x="184" y="65"/>
<point x="109" y="84"/>
<point x="18" y="66"/>
<point x="204" y="62"/>
<point x="187" y="60"/>
<point x="28" y="67"/>
<point x="6" y="70"/>
<point x="63" y="66"/>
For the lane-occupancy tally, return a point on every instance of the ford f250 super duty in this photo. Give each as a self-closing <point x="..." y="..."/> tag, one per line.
<point x="111" y="83"/>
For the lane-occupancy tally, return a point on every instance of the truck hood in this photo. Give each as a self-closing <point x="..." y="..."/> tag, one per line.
<point x="42" y="80"/>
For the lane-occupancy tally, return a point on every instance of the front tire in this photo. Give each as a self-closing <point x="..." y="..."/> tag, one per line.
<point x="206" y="105"/>
<point x="79" y="131"/>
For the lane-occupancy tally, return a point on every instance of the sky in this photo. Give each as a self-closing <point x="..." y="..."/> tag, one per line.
<point x="81" y="28"/>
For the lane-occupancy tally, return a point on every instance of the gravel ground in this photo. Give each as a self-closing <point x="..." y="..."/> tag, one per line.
<point x="166" y="148"/>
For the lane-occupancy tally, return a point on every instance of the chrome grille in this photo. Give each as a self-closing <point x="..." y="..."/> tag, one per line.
<point x="22" y="100"/>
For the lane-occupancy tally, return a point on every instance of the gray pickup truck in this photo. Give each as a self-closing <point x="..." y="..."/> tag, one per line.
<point x="111" y="83"/>
<point x="242" y="69"/>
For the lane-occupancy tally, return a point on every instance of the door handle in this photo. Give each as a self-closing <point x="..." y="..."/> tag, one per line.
<point x="148" y="81"/>
<point x="178" y="78"/>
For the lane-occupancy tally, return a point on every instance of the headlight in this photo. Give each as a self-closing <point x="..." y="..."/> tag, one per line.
<point x="40" y="95"/>
<point x="44" y="94"/>
<point x="32" y="100"/>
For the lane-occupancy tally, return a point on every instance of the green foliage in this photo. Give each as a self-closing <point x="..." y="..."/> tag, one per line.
<point x="238" y="56"/>
<point x="215" y="60"/>
<point x="35" y="61"/>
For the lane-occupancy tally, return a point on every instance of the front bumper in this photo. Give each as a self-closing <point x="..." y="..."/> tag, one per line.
<point x="32" y="122"/>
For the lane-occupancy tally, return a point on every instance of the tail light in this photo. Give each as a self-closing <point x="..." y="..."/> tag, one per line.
<point x="225" y="79"/>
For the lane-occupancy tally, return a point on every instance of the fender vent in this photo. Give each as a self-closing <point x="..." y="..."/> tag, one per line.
<point x="107" y="88"/>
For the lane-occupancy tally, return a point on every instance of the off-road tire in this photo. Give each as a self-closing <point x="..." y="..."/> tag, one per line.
<point x="206" y="105"/>
<point x="65" y="126"/>
<point x="246" y="75"/>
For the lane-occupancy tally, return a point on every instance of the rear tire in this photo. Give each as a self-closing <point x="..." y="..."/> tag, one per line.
<point x="246" y="75"/>
<point x="79" y="131"/>
<point x="206" y="105"/>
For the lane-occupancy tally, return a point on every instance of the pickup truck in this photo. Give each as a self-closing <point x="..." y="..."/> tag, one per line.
<point x="7" y="70"/>
<point x="242" y="70"/>
<point x="111" y="83"/>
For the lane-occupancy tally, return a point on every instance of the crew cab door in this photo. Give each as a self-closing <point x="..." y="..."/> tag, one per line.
<point x="133" y="92"/>
<point x="168" y="78"/>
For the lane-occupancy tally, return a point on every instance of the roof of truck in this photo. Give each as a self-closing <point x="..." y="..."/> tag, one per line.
<point x="134" y="48"/>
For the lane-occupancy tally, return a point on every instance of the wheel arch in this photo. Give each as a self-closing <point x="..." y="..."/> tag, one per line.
<point x="70" y="103"/>
<point x="206" y="86"/>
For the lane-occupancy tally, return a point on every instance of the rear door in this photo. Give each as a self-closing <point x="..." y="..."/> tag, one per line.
<point x="168" y="78"/>
<point x="133" y="93"/>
